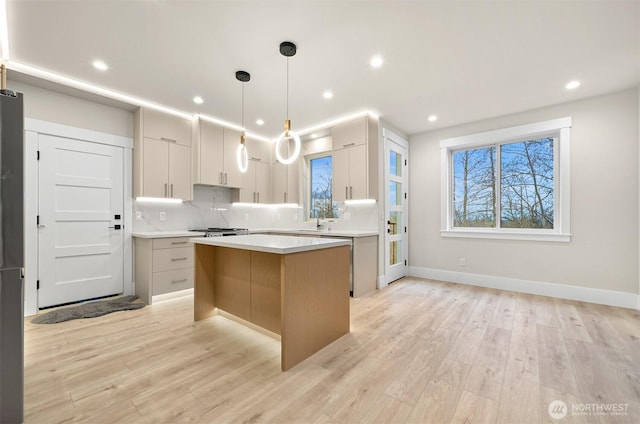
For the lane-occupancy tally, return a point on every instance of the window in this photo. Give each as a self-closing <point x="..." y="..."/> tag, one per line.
<point x="321" y="204"/>
<point x="511" y="183"/>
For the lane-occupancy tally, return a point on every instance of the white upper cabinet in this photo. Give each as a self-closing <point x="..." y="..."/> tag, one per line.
<point x="162" y="126"/>
<point x="350" y="173"/>
<point x="232" y="174"/>
<point x="285" y="183"/>
<point x="355" y="159"/>
<point x="256" y="181"/>
<point x="209" y="167"/>
<point x="162" y="155"/>
<point x="350" y="133"/>
<point x="215" y="155"/>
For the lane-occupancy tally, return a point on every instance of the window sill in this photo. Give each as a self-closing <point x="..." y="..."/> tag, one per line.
<point x="507" y="235"/>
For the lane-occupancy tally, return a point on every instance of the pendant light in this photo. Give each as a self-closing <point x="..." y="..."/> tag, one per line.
<point x="288" y="49"/>
<point x="242" y="157"/>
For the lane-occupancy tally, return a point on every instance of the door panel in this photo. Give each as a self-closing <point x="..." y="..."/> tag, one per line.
<point x="156" y="168"/>
<point x="358" y="172"/>
<point x="211" y="153"/>
<point x="340" y="164"/>
<point x="231" y="142"/>
<point x="396" y="208"/>
<point x="179" y="172"/>
<point x="80" y="192"/>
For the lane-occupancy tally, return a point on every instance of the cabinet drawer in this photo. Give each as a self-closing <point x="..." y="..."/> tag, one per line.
<point x="172" y="242"/>
<point x="163" y="126"/>
<point x="168" y="259"/>
<point x="170" y="281"/>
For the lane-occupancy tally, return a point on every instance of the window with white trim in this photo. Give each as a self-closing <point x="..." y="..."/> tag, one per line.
<point x="321" y="203"/>
<point x="511" y="183"/>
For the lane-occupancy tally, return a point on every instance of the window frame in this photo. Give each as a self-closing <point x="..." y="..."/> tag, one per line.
<point x="308" y="159"/>
<point x="559" y="129"/>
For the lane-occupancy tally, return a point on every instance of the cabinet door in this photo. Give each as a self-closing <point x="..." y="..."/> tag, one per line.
<point x="350" y="133"/>
<point x="262" y="182"/>
<point x="233" y="176"/>
<point x="293" y="180"/>
<point x="179" y="171"/>
<point x="211" y="154"/>
<point x="340" y="184"/>
<point x="167" y="127"/>
<point x="358" y="172"/>
<point x="248" y="190"/>
<point x="155" y="168"/>
<point x="279" y="184"/>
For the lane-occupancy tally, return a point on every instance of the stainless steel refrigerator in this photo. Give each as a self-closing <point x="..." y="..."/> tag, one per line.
<point x="11" y="258"/>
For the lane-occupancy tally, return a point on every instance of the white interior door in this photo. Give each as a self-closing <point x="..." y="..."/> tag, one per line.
<point x="80" y="207"/>
<point x="396" y="177"/>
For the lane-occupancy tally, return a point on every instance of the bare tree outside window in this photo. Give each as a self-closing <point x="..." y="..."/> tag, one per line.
<point x="526" y="181"/>
<point x="474" y="194"/>
<point x="322" y="204"/>
<point x="526" y="189"/>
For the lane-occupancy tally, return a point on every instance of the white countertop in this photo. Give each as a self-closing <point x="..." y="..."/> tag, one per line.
<point x="164" y="234"/>
<point x="310" y="231"/>
<point x="272" y="244"/>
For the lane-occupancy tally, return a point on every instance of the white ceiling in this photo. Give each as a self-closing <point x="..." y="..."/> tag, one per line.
<point x="463" y="61"/>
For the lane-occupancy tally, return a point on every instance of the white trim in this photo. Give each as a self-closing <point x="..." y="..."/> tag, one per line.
<point x="559" y="129"/>
<point x="33" y="128"/>
<point x="382" y="282"/>
<point x="505" y="134"/>
<point x="50" y="128"/>
<point x="390" y="137"/>
<point x="127" y="220"/>
<point x="562" y="291"/>
<point x="506" y="235"/>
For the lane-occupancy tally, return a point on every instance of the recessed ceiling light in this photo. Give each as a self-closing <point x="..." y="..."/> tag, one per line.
<point x="314" y="135"/>
<point x="100" y="65"/>
<point x="327" y="94"/>
<point x="376" y="61"/>
<point x="572" y="85"/>
<point x="198" y="100"/>
<point x="260" y="122"/>
<point x="432" y="118"/>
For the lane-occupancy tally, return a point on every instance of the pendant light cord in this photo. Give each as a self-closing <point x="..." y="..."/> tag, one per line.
<point x="243" y="107"/>
<point x="287" y="88"/>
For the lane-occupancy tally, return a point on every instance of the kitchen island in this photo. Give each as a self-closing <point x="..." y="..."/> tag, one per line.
<point x="294" y="287"/>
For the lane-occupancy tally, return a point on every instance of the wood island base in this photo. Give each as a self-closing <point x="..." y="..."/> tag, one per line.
<point x="303" y="296"/>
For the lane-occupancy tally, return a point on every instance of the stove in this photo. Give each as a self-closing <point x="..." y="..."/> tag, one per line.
<point x="221" y="232"/>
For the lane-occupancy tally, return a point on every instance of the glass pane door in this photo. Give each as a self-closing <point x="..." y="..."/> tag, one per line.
<point x="396" y="165"/>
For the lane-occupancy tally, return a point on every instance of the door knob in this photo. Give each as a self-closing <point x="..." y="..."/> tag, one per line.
<point x="116" y="227"/>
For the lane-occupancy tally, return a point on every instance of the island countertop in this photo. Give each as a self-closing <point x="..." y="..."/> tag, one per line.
<point x="272" y="244"/>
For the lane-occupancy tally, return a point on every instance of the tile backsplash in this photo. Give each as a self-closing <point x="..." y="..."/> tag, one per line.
<point x="212" y="207"/>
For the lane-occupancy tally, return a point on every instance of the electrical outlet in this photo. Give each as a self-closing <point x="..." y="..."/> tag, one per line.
<point x="163" y="216"/>
<point x="138" y="216"/>
<point x="463" y="262"/>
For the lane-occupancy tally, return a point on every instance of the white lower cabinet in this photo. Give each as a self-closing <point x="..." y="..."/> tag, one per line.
<point x="162" y="265"/>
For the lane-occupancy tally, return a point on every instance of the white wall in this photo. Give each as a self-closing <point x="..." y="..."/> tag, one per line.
<point x="50" y="106"/>
<point x="604" y="248"/>
<point x="53" y="107"/>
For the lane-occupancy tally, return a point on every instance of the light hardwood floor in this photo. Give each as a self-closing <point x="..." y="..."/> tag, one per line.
<point x="419" y="351"/>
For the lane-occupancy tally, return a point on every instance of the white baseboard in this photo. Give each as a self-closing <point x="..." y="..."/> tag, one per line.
<point x="562" y="291"/>
<point x="382" y="282"/>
